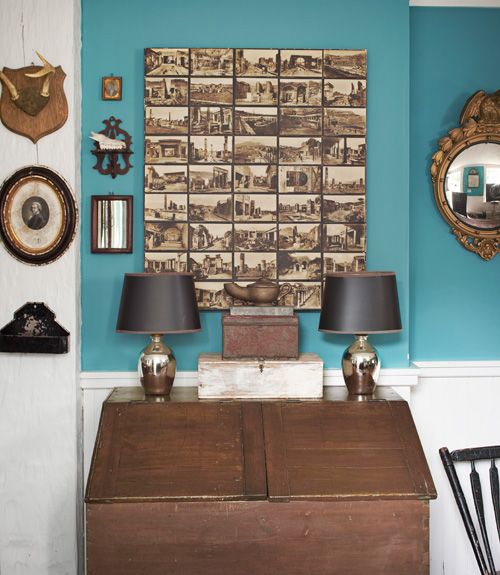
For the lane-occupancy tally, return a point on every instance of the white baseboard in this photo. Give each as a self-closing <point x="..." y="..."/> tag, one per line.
<point x="456" y="3"/>
<point x="391" y="377"/>
<point x="446" y="369"/>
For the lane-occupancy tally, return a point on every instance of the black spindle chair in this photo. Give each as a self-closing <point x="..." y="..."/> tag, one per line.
<point x="486" y="564"/>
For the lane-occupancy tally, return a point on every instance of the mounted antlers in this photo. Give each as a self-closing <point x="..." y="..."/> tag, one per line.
<point x="47" y="70"/>
<point x="30" y="99"/>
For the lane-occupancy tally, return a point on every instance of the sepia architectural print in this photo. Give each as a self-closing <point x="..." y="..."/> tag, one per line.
<point x="255" y="166"/>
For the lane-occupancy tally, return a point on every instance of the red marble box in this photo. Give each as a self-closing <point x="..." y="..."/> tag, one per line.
<point x="266" y="337"/>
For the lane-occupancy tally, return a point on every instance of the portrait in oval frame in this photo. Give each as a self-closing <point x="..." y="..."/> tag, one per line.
<point x="38" y="215"/>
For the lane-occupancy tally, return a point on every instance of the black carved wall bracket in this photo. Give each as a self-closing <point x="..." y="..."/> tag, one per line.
<point x="113" y="162"/>
<point x="34" y="330"/>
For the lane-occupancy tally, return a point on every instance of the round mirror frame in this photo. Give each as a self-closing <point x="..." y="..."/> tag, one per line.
<point x="479" y="123"/>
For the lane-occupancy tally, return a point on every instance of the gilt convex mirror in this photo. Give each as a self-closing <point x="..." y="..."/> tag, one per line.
<point x="466" y="175"/>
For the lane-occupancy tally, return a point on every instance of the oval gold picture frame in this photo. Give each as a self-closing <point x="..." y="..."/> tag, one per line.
<point x="38" y="215"/>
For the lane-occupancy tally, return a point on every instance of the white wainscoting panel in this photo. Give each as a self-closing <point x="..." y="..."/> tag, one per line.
<point x="456" y="405"/>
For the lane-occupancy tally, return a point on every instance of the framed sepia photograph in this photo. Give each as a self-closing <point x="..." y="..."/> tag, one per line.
<point x="211" y="237"/>
<point x="111" y="88"/>
<point x="256" y="91"/>
<point x="255" y="149"/>
<point x="210" y="208"/>
<point x="206" y="91"/>
<point x="301" y="121"/>
<point x="166" y="91"/>
<point x="211" y="149"/>
<point x="256" y="62"/>
<point x="343" y="262"/>
<point x="344" y="237"/>
<point x="299" y="208"/>
<point x="255" y="237"/>
<point x="38" y="215"/>
<point x="166" y="120"/>
<point x="348" y="93"/>
<point x="348" y="209"/>
<point x="300" y="150"/>
<point x="304" y="92"/>
<point x="255" y="265"/>
<point x="299" y="179"/>
<point x="255" y="166"/>
<point x="211" y="121"/>
<point x="258" y="121"/>
<point x="299" y="266"/>
<point x="344" y="180"/>
<point x="300" y="237"/>
<point x="345" y="64"/>
<point x="161" y="262"/>
<point x="209" y="179"/>
<point x="254" y="208"/>
<point x="345" y="121"/>
<point x="166" y="61"/>
<point x="211" y="266"/>
<point x="255" y="178"/>
<point x="211" y="62"/>
<point x="165" y="207"/>
<point x="165" y="179"/>
<point x="166" y="149"/>
<point x="165" y="236"/>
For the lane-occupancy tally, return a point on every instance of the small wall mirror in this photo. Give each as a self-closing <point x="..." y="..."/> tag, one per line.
<point x="466" y="175"/>
<point x="111" y="224"/>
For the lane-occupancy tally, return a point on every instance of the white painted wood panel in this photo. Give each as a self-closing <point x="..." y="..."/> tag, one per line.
<point x="40" y="506"/>
<point x="455" y="412"/>
<point x="247" y="378"/>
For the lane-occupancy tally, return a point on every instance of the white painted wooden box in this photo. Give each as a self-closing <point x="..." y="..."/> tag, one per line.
<point x="251" y="378"/>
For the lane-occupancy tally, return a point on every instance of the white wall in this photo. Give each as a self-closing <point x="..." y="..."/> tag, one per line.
<point x="456" y="405"/>
<point x="39" y="408"/>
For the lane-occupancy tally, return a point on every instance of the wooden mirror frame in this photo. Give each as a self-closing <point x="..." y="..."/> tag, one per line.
<point x="479" y="123"/>
<point x="94" y="240"/>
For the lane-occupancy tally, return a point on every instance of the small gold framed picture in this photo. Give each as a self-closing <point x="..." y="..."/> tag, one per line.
<point x="111" y="88"/>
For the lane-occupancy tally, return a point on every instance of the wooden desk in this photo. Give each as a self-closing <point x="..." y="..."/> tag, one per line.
<point x="319" y="487"/>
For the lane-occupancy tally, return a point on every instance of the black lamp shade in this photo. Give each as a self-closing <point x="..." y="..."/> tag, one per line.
<point x="157" y="303"/>
<point x="360" y="303"/>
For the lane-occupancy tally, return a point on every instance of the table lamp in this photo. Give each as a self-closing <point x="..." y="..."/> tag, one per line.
<point x="360" y="303"/>
<point x="158" y="303"/>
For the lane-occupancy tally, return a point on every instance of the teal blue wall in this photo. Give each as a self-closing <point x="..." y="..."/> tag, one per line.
<point x="381" y="27"/>
<point x="454" y="293"/>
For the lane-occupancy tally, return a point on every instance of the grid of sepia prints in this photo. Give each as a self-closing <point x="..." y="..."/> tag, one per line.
<point x="255" y="167"/>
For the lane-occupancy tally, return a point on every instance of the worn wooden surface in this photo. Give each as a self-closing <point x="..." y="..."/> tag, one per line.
<point x="344" y="450"/>
<point x="319" y="487"/>
<point x="248" y="538"/>
<point x="252" y="378"/>
<point x="267" y="337"/>
<point x="176" y="451"/>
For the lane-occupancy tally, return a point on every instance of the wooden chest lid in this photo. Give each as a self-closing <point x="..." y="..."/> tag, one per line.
<point x="343" y="449"/>
<point x="187" y="449"/>
<point x="181" y="449"/>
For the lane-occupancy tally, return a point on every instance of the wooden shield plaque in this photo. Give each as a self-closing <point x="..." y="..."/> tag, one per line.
<point x="52" y="114"/>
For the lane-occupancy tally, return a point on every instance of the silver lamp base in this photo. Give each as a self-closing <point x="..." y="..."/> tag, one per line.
<point x="157" y="367"/>
<point x="360" y="367"/>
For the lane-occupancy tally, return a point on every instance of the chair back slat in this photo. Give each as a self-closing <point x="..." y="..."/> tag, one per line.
<point x="477" y="495"/>
<point x="495" y="494"/>
<point x="458" y="493"/>
<point x="476" y="453"/>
